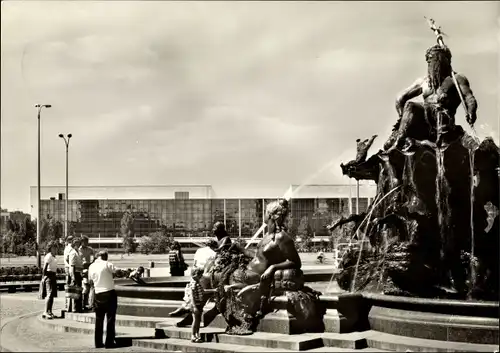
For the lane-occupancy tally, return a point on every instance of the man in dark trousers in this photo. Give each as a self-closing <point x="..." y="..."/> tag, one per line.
<point x="105" y="300"/>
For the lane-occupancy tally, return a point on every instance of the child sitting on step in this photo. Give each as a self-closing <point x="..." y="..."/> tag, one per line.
<point x="195" y="293"/>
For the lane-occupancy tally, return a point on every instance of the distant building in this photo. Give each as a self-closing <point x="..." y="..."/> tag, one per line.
<point x="191" y="210"/>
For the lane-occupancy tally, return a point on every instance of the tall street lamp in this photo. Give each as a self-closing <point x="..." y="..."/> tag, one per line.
<point x="66" y="142"/>
<point x="39" y="211"/>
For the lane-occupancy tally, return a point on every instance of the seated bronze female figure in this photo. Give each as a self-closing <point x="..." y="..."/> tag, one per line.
<point x="245" y="279"/>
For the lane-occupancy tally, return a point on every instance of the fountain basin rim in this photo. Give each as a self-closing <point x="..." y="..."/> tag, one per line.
<point x="131" y="288"/>
<point x="430" y="301"/>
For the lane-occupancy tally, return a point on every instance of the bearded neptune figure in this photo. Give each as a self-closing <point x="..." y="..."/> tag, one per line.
<point x="434" y="120"/>
<point x="245" y="281"/>
<point x="428" y="226"/>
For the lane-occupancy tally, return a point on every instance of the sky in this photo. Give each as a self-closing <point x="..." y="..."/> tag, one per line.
<point x="239" y="95"/>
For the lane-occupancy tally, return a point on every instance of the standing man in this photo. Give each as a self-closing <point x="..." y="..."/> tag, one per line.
<point x="75" y="271"/>
<point x="67" y="249"/>
<point x="105" y="301"/>
<point x="87" y="254"/>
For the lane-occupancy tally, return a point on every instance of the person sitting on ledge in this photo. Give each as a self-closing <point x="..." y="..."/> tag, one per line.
<point x="176" y="260"/>
<point x="223" y="238"/>
<point x="203" y="258"/>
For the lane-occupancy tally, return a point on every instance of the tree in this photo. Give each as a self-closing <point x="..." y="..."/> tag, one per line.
<point x="292" y="228"/>
<point x="304" y="231"/>
<point x="155" y="243"/>
<point x="127" y="231"/>
<point x="20" y="238"/>
<point x="51" y="230"/>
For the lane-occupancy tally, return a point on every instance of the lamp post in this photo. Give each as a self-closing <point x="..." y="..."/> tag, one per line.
<point x="39" y="212"/>
<point x="66" y="142"/>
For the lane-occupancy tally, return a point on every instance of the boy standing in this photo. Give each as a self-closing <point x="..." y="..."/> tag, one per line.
<point x="196" y="292"/>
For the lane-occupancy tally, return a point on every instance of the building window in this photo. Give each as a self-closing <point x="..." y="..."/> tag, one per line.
<point x="182" y="195"/>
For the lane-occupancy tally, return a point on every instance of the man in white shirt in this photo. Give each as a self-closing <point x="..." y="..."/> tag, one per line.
<point x="105" y="300"/>
<point x="205" y="255"/>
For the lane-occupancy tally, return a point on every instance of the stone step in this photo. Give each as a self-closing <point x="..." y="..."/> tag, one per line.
<point x="29" y="334"/>
<point x="177" y="344"/>
<point x="396" y="343"/>
<point x="350" y="340"/>
<point x="124" y="335"/>
<point x="257" y="339"/>
<point x="335" y="349"/>
<point x="122" y="320"/>
<point x="147" y="307"/>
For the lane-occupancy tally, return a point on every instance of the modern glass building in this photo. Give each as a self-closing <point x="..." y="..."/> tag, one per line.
<point x="190" y="211"/>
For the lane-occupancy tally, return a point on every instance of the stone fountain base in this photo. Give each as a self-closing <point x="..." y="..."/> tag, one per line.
<point x="357" y="320"/>
<point x="434" y="319"/>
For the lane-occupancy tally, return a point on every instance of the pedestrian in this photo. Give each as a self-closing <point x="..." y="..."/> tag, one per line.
<point x="203" y="259"/>
<point x="105" y="300"/>
<point x="49" y="281"/>
<point x="67" y="249"/>
<point x="176" y="260"/>
<point x="74" y="290"/>
<point x="223" y="238"/>
<point x="196" y="294"/>
<point x="87" y="254"/>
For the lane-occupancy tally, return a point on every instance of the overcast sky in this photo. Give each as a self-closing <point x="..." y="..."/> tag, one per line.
<point x="240" y="95"/>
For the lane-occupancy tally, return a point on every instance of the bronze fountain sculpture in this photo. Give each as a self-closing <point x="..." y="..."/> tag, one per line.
<point x="246" y="280"/>
<point x="428" y="225"/>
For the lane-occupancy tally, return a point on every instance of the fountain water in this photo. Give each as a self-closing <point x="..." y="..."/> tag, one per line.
<point x="289" y="194"/>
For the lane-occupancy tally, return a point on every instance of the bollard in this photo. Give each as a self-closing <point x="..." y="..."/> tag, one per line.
<point x="151" y="264"/>
<point x="147" y="272"/>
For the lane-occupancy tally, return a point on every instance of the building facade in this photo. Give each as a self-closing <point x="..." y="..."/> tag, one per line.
<point x="191" y="211"/>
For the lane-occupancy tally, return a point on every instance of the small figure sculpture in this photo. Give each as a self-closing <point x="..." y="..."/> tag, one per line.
<point x="362" y="148"/>
<point x="441" y="100"/>
<point x="358" y="168"/>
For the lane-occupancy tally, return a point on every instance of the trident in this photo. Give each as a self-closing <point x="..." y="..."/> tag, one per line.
<point x="439" y="35"/>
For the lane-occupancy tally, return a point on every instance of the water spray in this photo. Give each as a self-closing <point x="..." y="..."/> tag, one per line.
<point x="367" y="218"/>
<point x="472" y="146"/>
<point x="288" y="196"/>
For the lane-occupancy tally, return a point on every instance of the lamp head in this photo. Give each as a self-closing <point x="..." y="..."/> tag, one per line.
<point x="70" y="135"/>
<point x="47" y="106"/>
<point x="61" y="135"/>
